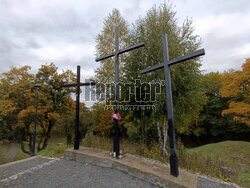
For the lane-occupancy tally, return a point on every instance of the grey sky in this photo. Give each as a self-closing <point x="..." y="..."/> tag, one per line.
<point x="34" y="32"/>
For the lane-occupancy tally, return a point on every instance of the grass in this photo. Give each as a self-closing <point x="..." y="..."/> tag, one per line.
<point x="52" y="150"/>
<point x="3" y="151"/>
<point x="20" y="155"/>
<point x="234" y="154"/>
<point x="207" y="160"/>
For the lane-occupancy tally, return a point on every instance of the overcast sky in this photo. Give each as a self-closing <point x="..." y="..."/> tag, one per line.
<point x="34" y="32"/>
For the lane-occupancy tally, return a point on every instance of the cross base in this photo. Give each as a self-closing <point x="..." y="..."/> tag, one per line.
<point x="76" y="145"/>
<point x="120" y="156"/>
<point x="174" y="165"/>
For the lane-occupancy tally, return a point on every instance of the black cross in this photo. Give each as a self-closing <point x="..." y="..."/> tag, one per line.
<point x="77" y="85"/>
<point x="116" y="147"/>
<point x="166" y="65"/>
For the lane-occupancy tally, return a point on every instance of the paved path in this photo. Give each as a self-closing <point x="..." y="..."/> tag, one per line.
<point x="11" y="153"/>
<point x="47" y="172"/>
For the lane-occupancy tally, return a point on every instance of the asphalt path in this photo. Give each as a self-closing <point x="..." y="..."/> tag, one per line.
<point x="11" y="153"/>
<point x="52" y="172"/>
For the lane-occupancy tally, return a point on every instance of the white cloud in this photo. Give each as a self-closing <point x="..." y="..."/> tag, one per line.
<point x="35" y="32"/>
<point x="63" y="32"/>
<point x="226" y="39"/>
<point x="225" y="24"/>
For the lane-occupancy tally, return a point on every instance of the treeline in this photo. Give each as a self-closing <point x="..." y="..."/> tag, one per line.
<point x="223" y="116"/>
<point x="207" y="107"/>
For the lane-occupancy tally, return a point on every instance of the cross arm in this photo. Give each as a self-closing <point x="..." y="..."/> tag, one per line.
<point x="131" y="48"/>
<point x="153" y="68"/>
<point x="121" y="51"/>
<point x="104" y="57"/>
<point x="81" y="84"/>
<point x="87" y="84"/>
<point x="187" y="57"/>
<point x="175" y="61"/>
<point x="68" y="85"/>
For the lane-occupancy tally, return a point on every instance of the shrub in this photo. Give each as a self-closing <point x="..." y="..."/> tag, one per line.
<point x="59" y="149"/>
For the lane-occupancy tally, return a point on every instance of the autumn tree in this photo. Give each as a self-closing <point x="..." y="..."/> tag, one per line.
<point x="236" y="85"/>
<point x="7" y="117"/>
<point x="16" y="95"/>
<point x="6" y="110"/>
<point x="53" y="100"/>
<point x="102" y="120"/>
<point x="212" y="126"/>
<point x="106" y="45"/>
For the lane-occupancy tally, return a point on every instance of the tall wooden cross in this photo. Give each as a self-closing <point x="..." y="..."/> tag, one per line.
<point x="116" y="146"/>
<point x="77" y="85"/>
<point x="166" y="65"/>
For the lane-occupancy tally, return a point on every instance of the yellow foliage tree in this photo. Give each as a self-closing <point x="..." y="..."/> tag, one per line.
<point x="17" y="108"/>
<point x="236" y="86"/>
<point x="102" y="120"/>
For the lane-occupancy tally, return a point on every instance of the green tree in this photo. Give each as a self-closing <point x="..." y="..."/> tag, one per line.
<point x="212" y="126"/>
<point x="188" y="95"/>
<point x="66" y="124"/>
<point x="106" y="45"/>
<point x="211" y="123"/>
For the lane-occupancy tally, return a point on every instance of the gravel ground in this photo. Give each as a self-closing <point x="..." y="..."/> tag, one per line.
<point x="13" y="169"/>
<point x="62" y="173"/>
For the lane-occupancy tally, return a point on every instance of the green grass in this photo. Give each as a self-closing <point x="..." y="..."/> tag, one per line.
<point x="52" y="150"/>
<point x="3" y="151"/>
<point x="20" y="155"/>
<point x="234" y="154"/>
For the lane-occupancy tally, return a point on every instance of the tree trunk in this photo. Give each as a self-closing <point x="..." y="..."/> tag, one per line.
<point x="165" y="134"/>
<point x="142" y="128"/>
<point x="30" y="142"/>
<point x="30" y="136"/>
<point x="162" y="145"/>
<point x="159" y="133"/>
<point x="47" y="136"/>
<point x="39" y="143"/>
<point x="23" y="148"/>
